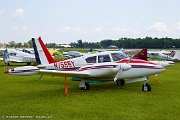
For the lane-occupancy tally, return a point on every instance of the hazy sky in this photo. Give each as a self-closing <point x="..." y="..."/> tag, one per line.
<point x="65" y="21"/>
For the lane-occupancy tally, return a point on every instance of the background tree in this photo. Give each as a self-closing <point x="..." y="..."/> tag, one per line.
<point x="18" y="45"/>
<point x="30" y="43"/>
<point x="80" y="44"/>
<point x="26" y="45"/>
<point x="12" y="44"/>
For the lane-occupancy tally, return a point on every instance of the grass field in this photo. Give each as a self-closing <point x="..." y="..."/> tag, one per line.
<point x="25" y="97"/>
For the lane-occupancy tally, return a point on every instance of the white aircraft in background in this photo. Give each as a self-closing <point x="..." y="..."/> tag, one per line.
<point x="54" y="52"/>
<point x="128" y="50"/>
<point x="103" y="66"/>
<point x="159" y="55"/>
<point x="19" y="56"/>
<point x="29" y="50"/>
<point x="175" y="54"/>
<point x="74" y="54"/>
<point x="143" y="55"/>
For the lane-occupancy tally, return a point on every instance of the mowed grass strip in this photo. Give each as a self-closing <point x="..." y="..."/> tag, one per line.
<point x="25" y="96"/>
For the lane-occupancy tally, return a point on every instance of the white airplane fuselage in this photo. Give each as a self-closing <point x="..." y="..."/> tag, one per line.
<point x="138" y="69"/>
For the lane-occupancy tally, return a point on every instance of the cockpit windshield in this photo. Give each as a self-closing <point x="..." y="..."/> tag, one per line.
<point x="118" y="56"/>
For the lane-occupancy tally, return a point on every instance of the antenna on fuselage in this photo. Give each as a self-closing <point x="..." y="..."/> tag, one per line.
<point x="101" y="47"/>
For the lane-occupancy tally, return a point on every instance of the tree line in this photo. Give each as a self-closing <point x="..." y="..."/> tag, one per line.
<point x="147" y="42"/>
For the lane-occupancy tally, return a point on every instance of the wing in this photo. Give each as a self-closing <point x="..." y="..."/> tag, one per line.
<point x="80" y="74"/>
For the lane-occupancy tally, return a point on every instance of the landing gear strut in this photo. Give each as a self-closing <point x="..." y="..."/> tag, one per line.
<point x="84" y="85"/>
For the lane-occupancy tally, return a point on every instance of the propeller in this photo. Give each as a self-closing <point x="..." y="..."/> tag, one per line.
<point x="123" y="67"/>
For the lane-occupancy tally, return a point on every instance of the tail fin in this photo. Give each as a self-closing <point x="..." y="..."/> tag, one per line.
<point x="175" y="56"/>
<point x="90" y="50"/>
<point x="41" y="52"/>
<point x="141" y="55"/>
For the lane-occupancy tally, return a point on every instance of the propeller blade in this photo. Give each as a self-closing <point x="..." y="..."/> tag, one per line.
<point x="122" y="67"/>
<point x="118" y="74"/>
<point x="130" y="59"/>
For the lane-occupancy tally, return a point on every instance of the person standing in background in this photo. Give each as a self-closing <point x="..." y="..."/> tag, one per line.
<point x="5" y="58"/>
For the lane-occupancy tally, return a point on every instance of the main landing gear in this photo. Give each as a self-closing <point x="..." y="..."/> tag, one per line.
<point x="84" y="85"/>
<point x="120" y="82"/>
<point x="146" y="87"/>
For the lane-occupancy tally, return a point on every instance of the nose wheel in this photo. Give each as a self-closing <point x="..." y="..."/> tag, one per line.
<point x="120" y="82"/>
<point x="146" y="87"/>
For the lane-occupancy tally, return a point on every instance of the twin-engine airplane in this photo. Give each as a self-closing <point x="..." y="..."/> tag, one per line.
<point x="104" y="66"/>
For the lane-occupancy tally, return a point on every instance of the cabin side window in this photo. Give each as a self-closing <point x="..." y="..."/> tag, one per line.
<point x="118" y="56"/>
<point x="12" y="54"/>
<point x="91" y="59"/>
<point x="103" y="58"/>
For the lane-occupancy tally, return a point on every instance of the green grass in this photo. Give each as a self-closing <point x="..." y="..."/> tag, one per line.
<point x="25" y="96"/>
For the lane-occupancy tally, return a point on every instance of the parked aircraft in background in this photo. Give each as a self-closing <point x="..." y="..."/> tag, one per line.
<point x="19" y="56"/>
<point x="175" y="54"/>
<point x="103" y="66"/>
<point x="143" y="55"/>
<point x="128" y="50"/>
<point x="54" y="52"/>
<point x="165" y="52"/>
<point x="29" y="50"/>
<point x="158" y="55"/>
<point x="171" y="55"/>
<point x="74" y="54"/>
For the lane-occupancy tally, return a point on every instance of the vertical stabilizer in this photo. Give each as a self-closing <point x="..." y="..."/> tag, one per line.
<point x="141" y="55"/>
<point x="176" y="56"/>
<point x="41" y="52"/>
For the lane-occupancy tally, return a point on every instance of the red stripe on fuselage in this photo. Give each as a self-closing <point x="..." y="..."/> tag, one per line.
<point x="147" y="67"/>
<point x="141" y="64"/>
<point x="135" y="61"/>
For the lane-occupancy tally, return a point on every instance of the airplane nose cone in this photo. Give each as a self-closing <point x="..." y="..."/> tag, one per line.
<point x="6" y="72"/>
<point x="160" y="68"/>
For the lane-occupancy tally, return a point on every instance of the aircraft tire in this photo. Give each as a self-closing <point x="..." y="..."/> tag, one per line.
<point x="87" y="86"/>
<point x="146" y="87"/>
<point x="121" y="82"/>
